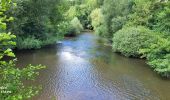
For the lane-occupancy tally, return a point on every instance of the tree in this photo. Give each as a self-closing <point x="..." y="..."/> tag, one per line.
<point x="36" y="20"/>
<point x="11" y="77"/>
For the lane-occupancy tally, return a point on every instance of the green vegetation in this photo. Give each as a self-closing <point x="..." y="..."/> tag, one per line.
<point x="36" y="22"/>
<point x="135" y="28"/>
<point x="42" y="22"/>
<point x="130" y="40"/>
<point x="158" y="55"/>
<point x="97" y="20"/>
<point x="11" y="77"/>
<point x="76" y="26"/>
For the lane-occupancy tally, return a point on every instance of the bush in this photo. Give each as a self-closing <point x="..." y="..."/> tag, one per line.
<point x="162" y="17"/>
<point x="31" y="42"/>
<point x="63" y="27"/>
<point x="130" y="40"/>
<point x="97" y="18"/>
<point x="50" y="40"/>
<point x="161" y="65"/>
<point x="79" y="11"/>
<point x="158" y="55"/>
<point x="28" y="43"/>
<point x="117" y="23"/>
<point x="111" y="10"/>
<point x="141" y="12"/>
<point x="36" y="21"/>
<point x="76" y="26"/>
<point x="100" y="30"/>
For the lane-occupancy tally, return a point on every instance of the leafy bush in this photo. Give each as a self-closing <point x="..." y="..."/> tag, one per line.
<point x="158" y="55"/>
<point x="72" y="12"/>
<point x="162" y="17"/>
<point x="28" y="43"/>
<point x="32" y="43"/>
<point x="141" y="12"/>
<point x="112" y="9"/>
<point x="11" y="77"/>
<point x="79" y="11"/>
<point x="82" y="10"/>
<point x="36" y="21"/>
<point x="101" y="31"/>
<point x="70" y="28"/>
<point x="63" y="27"/>
<point x="97" y="18"/>
<point x="130" y="40"/>
<point x="117" y="23"/>
<point x="76" y="25"/>
<point x="66" y="29"/>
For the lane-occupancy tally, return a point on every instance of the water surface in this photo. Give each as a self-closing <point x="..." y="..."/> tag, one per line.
<point x="82" y="68"/>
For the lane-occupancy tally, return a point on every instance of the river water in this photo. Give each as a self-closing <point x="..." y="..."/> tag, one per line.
<point x="82" y="68"/>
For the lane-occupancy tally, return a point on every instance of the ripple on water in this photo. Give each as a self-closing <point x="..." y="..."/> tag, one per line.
<point x="132" y="89"/>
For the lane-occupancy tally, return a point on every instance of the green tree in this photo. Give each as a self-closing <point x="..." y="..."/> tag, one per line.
<point x="112" y="9"/>
<point x="11" y="77"/>
<point x="36" y="20"/>
<point x="97" y="20"/>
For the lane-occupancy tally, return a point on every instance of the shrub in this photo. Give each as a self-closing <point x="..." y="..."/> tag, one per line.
<point x="130" y="40"/>
<point x="48" y="41"/>
<point x="100" y="30"/>
<point x="117" y="23"/>
<point x="28" y="43"/>
<point x="63" y="27"/>
<point x="112" y="9"/>
<point x="161" y="65"/>
<point x="141" y="12"/>
<point x="72" y="12"/>
<point x="162" y="17"/>
<point x="97" y="18"/>
<point x="158" y="55"/>
<point x="76" y="26"/>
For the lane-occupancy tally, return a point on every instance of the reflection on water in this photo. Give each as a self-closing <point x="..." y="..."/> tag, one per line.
<point x="83" y="68"/>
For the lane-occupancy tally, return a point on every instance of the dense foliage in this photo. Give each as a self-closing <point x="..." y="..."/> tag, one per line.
<point x="11" y="77"/>
<point x="76" y="25"/>
<point x="42" y="22"/>
<point x="158" y="55"/>
<point x="97" y="20"/>
<point x="130" y="40"/>
<point x="136" y="28"/>
<point x="36" y="22"/>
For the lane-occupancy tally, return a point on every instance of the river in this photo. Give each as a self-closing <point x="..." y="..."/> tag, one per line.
<point x="82" y="68"/>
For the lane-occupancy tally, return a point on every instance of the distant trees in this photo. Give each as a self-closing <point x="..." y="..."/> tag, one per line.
<point x="41" y="22"/>
<point x="114" y="13"/>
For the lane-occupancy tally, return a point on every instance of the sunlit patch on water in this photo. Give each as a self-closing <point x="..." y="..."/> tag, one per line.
<point x="68" y="56"/>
